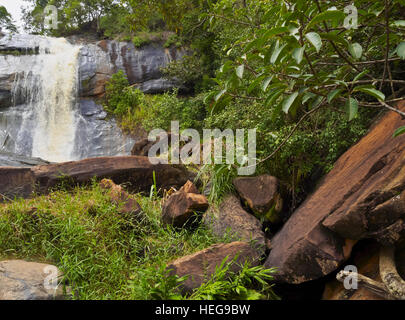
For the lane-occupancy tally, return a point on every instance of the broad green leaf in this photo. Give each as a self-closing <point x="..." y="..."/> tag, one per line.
<point x="276" y="31"/>
<point x="276" y="52"/>
<point x="399" y="131"/>
<point x="372" y="92"/>
<point x="401" y="50"/>
<point x="266" y="83"/>
<point x="352" y="108"/>
<point x="399" y="23"/>
<point x="360" y="75"/>
<point x="220" y="94"/>
<point x="333" y="94"/>
<point x="288" y="102"/>
<point x="334" y="15"/>
<point x="274" y="95"/>
<point x="240" y="70"/>
<point x="335" y="38"/>
<point x="298" y="54"/>
<point x="255" y="84"/>
<point x="315" y="40"/>
<point x="356" y="50"/>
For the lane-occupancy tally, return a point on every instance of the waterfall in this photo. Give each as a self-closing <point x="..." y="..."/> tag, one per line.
<point x="50" y="88"/>
<point x="43" y="112"/>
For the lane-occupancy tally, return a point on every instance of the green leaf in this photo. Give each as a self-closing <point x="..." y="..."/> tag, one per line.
<point x="220" y="94"/>
<point x="332" y="95"/>
<point x="298" y="54"/>
<point x="399" y="131"/>
<point x="372" y="92"/>
<point x="352" y="108"/>
<point x="401" y="50"/>
<point x="240" y="71"/>
<point x="356" y="50"/>
<point x="315" y="40"/>
<point x="399" y="23"/>
<point x="276" y="31"/>
<point x="335" y="38"/>
<point x="360" y="75"/>
<point x="288" y="102"/>
<point x="334" y="15"/>
<point x="276" y="52"/>
<point x="266" y="83"/>
<point x="273" y="96"/>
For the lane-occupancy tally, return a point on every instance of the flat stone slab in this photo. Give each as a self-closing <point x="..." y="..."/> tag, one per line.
<point x="22" y="280"/>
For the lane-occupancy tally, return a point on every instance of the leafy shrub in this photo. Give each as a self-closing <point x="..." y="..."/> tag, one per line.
<point x="251" y="283"/>
<point x="173" y="40"/>
<point x="310" y="152"/>
<point x="139" y="41"/>
<point x="163" y="109"/>
<point x="121" y="98"/>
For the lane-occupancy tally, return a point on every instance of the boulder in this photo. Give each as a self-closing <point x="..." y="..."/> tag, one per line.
<point x="345" y="206"/>
<point x="189" y="187"/>
<point x="142" y="147"/>
<point x="230" y="219"/>
<point x="128" y="205"/>
<point x="180" y="208"/>
<point x="21" y="280"/>
<point x="366" y="260"/>
<point x="261" y="195"/>
<point x="200" y="266"/>
<point x="137" y="172"/>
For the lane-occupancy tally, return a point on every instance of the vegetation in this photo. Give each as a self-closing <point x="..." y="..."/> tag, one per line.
<point x="107" y="256"/>
<point x="6" y="20"/>
<point x="304" y="74"/>
<point x="288" y="70"/>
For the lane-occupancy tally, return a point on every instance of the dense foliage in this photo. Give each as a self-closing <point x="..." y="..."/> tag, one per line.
<point x="297" y="71"/>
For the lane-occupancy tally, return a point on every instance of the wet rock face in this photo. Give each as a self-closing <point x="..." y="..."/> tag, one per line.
<point x="13" y="160"/>
<point x="99" y="61"/>
<point x="360" y="198"/>
<point x="95" y="135"/>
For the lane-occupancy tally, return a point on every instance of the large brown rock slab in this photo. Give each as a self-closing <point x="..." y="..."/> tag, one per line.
<point x="136" y="172"/>
<point x="200" y="266"/>
<point x="311" y="244"/>
<point x="261" y="195"/>
<point x="230" y="219"/>
<point x="21" y="280"/>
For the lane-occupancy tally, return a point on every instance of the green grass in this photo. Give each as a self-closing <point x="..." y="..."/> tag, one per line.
<point x="102" y="254"/>
<point x="106" y="256"/>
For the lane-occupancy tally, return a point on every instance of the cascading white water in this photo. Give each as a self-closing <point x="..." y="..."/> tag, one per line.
<point x="50" y="87"/>
<point x="43" y="112"/>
